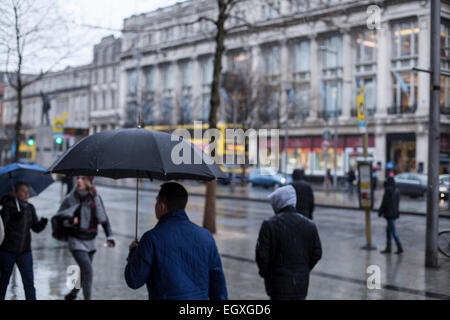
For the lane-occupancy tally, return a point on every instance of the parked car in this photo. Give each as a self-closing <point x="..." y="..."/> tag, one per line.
<point x="268" y="177"/>
<point x="228" y="170"/>
<point x="412" y="184"/>
<point x="444" y="185"/>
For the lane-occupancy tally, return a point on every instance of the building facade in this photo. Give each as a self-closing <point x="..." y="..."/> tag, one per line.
<point x="300" y="66"/>
<point x="104" y="83"/>
<point x="68" y="92"/>
<point x="304" y="61"/>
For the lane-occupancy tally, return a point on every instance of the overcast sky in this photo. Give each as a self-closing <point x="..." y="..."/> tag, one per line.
<point x="103" y="13"/>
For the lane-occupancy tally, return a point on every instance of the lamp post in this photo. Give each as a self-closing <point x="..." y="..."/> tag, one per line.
<point x="335" y="144"/>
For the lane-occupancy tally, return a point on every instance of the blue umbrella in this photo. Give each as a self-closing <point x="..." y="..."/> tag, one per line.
<point x="29" y="173"/>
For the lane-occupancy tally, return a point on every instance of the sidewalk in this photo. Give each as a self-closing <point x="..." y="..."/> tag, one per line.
<point x="329" y="199"/>
<point x="341" y="273"/>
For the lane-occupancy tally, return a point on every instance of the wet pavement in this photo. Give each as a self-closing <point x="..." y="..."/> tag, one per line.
<point x="341" y="274"/>
<point x="323" y="197"/>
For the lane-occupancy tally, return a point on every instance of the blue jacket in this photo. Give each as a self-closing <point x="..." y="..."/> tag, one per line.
<point x="178" y="260"/>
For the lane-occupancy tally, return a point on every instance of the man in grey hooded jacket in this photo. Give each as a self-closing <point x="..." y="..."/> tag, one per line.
<point x="288" y="248"/>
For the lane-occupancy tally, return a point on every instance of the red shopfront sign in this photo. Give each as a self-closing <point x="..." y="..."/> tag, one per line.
<point x="357" y="142"/>
<point x="317" y="142"/>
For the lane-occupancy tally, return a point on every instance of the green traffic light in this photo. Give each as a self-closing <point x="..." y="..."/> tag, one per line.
<point x="30" y="142"/>
<point x="59" y="140"/>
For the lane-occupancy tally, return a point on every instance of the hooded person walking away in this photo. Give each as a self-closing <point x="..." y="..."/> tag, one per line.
<point x="389" y="209"/>
<point x="287" y="249"/>
<point x="16" y="246"/>
<point x="84" y="210"/>
<point x="304" y="193"/>
<point x="177" y="259"/>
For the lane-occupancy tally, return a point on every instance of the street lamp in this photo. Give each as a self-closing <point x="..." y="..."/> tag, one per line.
<point x="335" y="144"/>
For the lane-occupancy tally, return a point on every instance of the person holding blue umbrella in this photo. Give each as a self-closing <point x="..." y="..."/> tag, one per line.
<point x="19" y="217"/>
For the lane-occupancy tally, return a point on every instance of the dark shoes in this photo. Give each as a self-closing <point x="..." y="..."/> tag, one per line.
<point x="399" y="248"/>
<point x="388" y="249"/>
<point x="72" y="295"/>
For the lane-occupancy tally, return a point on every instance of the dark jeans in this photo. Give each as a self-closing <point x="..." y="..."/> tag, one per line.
<point x="391" y="231"/>
<point x="84" y="260"/>
<point x="24" y="262"/>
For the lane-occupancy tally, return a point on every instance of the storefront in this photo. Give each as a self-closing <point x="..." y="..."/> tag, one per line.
<point x="401" y="150"/>
<point x="316" y="154"/>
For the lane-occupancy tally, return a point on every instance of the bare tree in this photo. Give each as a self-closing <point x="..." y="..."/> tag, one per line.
<point x="224" y="12"/>
<point x="33" y="41"/>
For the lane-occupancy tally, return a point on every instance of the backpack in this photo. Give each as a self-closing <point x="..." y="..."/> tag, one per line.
<point x="59" y="231"/>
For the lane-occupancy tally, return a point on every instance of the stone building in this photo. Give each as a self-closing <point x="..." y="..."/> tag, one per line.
<point x="68" y="91"/>
<point x="305" y="61"/>
<point x="104" y="82"/>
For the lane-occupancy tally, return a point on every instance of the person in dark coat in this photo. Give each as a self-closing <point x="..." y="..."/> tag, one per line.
<point x="287" y="249"/>
<point x="19" y="217"/>
<point x="351" y="177"/>
<point x="389" y="209"/>
<point x="177" y="259"/>
<point x="305" y="195"/>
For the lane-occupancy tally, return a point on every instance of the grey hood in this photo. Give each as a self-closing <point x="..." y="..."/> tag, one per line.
<point x="283" y="197"/>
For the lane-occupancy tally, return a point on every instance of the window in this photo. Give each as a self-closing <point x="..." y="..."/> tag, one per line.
<point x="333" y="98"/>
<point x="271" y="58"/>
<point x="206" y="67"/>
<point x="167" y="82"/>
<point x="239" y="17"/>
<point x="405" y="42"/>
<point x="238" y="62"/>
<point x="300" y="66"/>
<point x="206" y="106"/>
<point x="404" y="58"/>
<point x="298" y="6"/>
<point x="332" y="70"/>
<point x="445" y="66"/>
<point x="186" y="92"/>
<point x="132" y="82"/>
<point x="113" y="99"/>
<point x="131" y="115"/>
<point x="365" y="53"/>
<point x="150" y="79"/>
<point x="105" y="103"/>
<point x="167" y="34"/>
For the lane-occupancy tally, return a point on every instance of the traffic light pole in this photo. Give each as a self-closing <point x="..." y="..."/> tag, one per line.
<point x="431" y="252"/>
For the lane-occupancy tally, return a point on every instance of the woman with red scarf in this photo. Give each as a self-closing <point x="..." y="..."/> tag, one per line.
<point x="84" y="210"/>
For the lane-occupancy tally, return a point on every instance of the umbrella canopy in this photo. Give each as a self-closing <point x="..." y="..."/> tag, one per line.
<point x="31" y="174"/>
<point x="135" y="153"/>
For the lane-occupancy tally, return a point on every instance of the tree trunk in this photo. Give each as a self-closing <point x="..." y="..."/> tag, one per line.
<point x="209" y="217"/>
<point x="18" y="126"/>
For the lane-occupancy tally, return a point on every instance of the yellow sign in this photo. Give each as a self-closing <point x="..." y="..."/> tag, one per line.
<point x="65" y="115"/>
<point x="361" y="108"/>
<point x="58" y="125"/>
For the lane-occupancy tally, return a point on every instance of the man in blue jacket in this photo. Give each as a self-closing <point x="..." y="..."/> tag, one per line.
<point x="177" y="259"/>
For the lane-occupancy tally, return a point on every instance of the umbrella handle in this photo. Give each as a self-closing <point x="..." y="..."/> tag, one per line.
<point x="17" y="203"/>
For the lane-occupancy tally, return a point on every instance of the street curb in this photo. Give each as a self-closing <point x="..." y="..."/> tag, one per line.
<point x="328" y="206"/>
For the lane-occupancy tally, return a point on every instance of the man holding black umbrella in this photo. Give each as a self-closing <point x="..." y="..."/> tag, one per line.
<point x="177" y="259"/>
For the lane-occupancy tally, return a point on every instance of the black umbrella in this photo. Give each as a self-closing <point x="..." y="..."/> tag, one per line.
<point x="136" y="153"/>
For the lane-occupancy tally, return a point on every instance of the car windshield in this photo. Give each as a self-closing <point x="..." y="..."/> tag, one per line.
<point x="423" y="178"/>
<point x="268" y="171"/>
